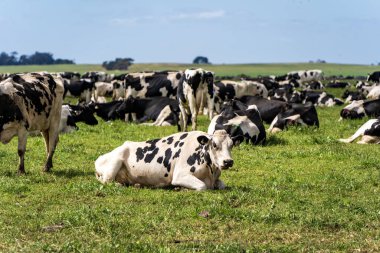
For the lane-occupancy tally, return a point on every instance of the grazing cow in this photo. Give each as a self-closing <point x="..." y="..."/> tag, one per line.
<point x="164" y="111"/>
<point x="370" y="132"/>
<point x="108" y="111"/>
<point x="360" y="108"/>
<point x="226" y="90"/>
<point x="268" y="108"/>
<point x="352" y="95"/>
<point x="305" y="75"/>
<point x="194" y="85"/>
<point x="152" y="84"/>
<point x="239" y="119"/>
<point x="81" y="89"/>
<point x="30" y="102"/>
<point x="374" y="77"/>
<point x="193" y="160"/>
<point x="296" y="114"/>
<point x="337" y="84"/>
<point x="374" y="93"/>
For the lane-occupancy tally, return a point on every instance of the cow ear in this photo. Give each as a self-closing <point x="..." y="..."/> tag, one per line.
<point x="237" y="140"/>
<point x="203" y="139"/>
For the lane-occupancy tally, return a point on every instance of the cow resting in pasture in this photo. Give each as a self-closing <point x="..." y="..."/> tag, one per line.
<point x="193" y="160"/>
<point x="369" y="131"/>
<point x="30" y="102"/>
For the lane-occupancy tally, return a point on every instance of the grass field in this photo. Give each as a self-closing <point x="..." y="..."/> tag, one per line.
<point x="302" y="192"/>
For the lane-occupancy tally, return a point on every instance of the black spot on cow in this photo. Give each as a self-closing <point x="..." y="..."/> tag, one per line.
<point x="168" y="155"/>
<point x="9" y="111"/>
<point x="183" y="136"/>
<point x="195" y="157"/>
<point x="176" y="144"/>
<point x="170" y="140"/>
<point x="163" y="141"/>
<point x="207" y="158"/>
<point x="149" y="157"/>
<point x="160" y="159"/>
<point x="139" y="154"/>
<point x="192" y="169"/>
<point x="177" y="153"/>
<point x="181" y="144"/>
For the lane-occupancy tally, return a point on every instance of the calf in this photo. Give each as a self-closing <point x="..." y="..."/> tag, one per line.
<point x="238" y="119"/>
<point x="296" y="114"/>
<point x="30" y="102"/>
<point x="370" y="132"/>
<point x="194" y="85"/>
<point x="193" y="160"/>
<point x="360" y="108"/>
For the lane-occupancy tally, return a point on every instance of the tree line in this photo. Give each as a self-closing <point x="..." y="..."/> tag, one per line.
<point x="38" y="58"/>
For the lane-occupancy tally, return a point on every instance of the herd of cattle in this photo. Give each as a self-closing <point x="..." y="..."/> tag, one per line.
<point x="237" y="109"/>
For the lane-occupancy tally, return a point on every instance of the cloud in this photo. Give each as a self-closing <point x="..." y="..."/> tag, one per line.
<point x="133" y="21"/>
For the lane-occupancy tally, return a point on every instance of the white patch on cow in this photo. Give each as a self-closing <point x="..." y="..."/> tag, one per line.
<point x="272" y="124"/>
<point x="211" y="127"/>
<point x="360" y="131"/>
<point x="164" y="92"/>
<point x="374" y="93"/>
<point x="160" y="121"/>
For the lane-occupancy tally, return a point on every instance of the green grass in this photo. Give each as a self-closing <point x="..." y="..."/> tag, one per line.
<point x="302" y="192"/>
<point x="220" y="69"/>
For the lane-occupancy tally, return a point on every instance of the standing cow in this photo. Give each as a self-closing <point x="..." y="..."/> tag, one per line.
<point x="194" y="85"/>
<point x="30" y="102"/>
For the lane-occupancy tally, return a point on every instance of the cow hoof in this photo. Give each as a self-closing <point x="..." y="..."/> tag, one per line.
<point x="21" y="172"/>
<point x="46" y="169"/>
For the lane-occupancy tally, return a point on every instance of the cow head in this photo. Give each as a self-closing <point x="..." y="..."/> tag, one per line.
<point x="84" y="113"/>
<point x="355" y="110"/>
<point x="218" y="148"/>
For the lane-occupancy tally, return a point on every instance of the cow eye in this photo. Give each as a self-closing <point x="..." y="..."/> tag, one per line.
<point x="214" y="145"/>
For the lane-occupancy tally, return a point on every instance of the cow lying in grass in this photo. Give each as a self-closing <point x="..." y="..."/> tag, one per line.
<point x="193" y="160"/>
<point x="369" y="131"/>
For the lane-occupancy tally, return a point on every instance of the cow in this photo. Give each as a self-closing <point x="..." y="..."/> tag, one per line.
<point x="226" y="90"/>
<point x="374" y="93"/>
<point x="305" y="75"/>
<point x="164" y="111"/>
<point x="268" y="108"/>
<point x="337" y="84"/>
<point x="81" y="89"/>
<point x="360" y="108"/>
<point x="152" y="84"/>
<point x="194" y="85"/>
<point x="374" y="77"/>
<point x="352" y="95"/>
<point x="369" y="131"/>
<point x="314" y="85"/>
<point x="296" y="114"/>
<point x="102" y="89"/>
<point x="192" y="160"/>
<point x="108" y="111"/>
<point x="30" y="102"/>
<point x="239" y="119"/>
<point x="98" y="76"/>
<point x="118" y="89"/>
<point x="320" y="98"/>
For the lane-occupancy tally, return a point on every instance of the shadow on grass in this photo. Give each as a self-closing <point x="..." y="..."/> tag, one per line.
<point x="273" y="140"/>
<point x="71" y="173"/>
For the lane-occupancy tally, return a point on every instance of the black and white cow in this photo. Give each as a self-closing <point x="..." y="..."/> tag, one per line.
<point x="314" y="85"/>
<point x="162" y="110"/>
<point x="81" y="89"/>
<point x="268" y="109"/>
<point x="352" y="95"/>
<point x="337" y="84"/>
<point x="226" y="90"/>
<point x="305" y="75"/>
<point x="374" y="77"/>
<point x="102" y="89"/>
<point x="360" y="108"/>
<point x="369" y="131"/>
<point x="320" y="98"/>
<point x="193" y="160"/>
<point x="296" y="114"/>
<point x="98" y="76"/>
<point x="30" y="102"/>
<point x="108" y="111"/>
<point x="118" y="89"/>
<point x="239" y="119"/>
<point x="194" y="85"/>
<point x="374" y="93"/>
<point x="152" y="84"/>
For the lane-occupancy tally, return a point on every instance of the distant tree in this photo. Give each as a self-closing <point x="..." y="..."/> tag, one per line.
<point x="38" y="58"/>
<point x="201" y="60"/>
<point x="6" y="59"/>
<point x="118" y="63"/>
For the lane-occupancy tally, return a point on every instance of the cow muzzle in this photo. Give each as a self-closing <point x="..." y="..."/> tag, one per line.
<point x="228" y="163"/>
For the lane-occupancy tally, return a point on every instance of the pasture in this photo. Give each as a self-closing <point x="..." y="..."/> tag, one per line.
<point x="301" y="192"/>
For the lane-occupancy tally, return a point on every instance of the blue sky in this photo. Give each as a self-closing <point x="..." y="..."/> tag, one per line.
<point x="251" y="31"/>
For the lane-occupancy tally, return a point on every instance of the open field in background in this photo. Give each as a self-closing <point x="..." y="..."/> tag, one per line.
<point x="220" y="70"/>
<point x="303" y="191"/>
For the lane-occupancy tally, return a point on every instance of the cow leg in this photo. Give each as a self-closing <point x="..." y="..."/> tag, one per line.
<point x="189" y="181"/>
<point x="51" y="140"/>
<point x="210" y="105"/>
<point x="22" y="136"/>
<point x="219" y="184"/>
<point x="183" y="118"/>
<point x="194" y="113"/>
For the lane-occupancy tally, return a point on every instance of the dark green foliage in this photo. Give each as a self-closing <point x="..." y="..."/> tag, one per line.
<point x="118" y="64"/>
